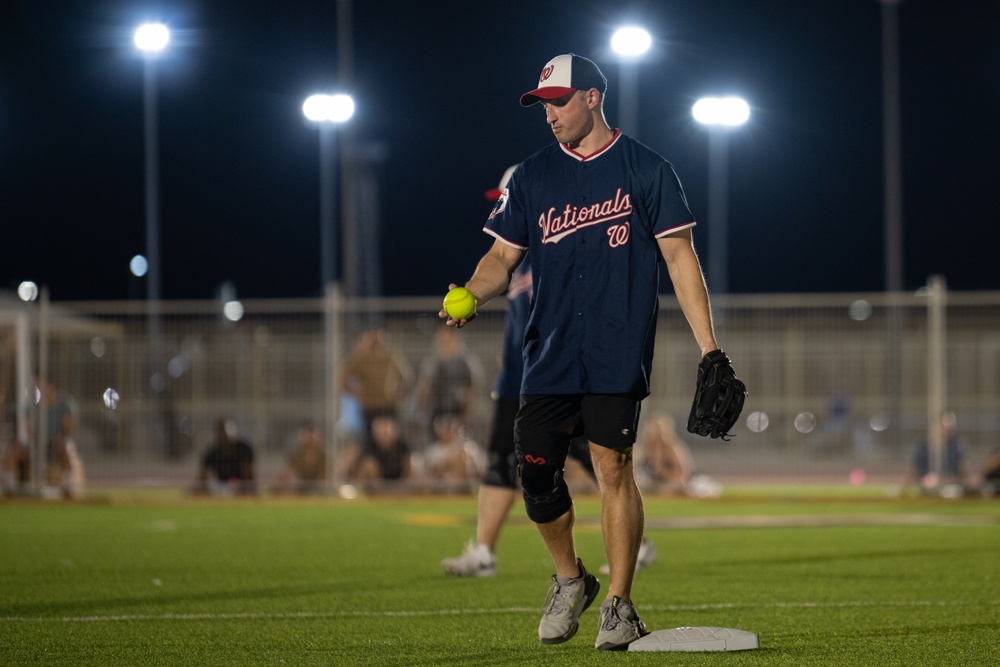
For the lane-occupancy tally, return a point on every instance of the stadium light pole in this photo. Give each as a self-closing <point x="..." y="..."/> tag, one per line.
<point x="327" y="111"/>
<point x="719" y="115"/>
<point x="630" y="43"/>
<point x="151" y="39"/>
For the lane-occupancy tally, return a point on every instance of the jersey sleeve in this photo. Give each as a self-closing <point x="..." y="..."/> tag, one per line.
<point x="507" y="219"/>
<point x="670" y="212"/>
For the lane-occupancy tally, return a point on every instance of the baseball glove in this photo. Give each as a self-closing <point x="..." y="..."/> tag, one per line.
<point x="718" y="397"/>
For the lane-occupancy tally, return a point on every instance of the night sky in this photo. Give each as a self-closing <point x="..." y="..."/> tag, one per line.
<point x="437" y="87"/>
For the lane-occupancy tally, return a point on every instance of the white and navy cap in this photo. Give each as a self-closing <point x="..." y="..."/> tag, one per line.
<point x="563" y="75"/>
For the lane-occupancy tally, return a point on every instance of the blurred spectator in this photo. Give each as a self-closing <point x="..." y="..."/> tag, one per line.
<point x="382" y="464"/>
<point x="351" y="425"/>
<point x="15" y="465"/>
<point x="452" y="462"/>
<point x="228" y="466"/>
<point x="663" y="460"/>
<point x="376" y="376"/>
<point x="304" y="471"/>
<point x="64" y="473"/>
<point x="921" y="471"/>
<point x="449" y="379"/>
<point x="990" y="474"/>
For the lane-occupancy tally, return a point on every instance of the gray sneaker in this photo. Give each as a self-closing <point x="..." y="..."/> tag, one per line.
<point x="567" y="599"/>
<point x="620" y="625"/>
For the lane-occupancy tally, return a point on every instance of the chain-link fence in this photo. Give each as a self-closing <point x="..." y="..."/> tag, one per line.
<point x="837" y="382"/>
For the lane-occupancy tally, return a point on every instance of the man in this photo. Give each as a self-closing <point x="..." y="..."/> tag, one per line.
<point x="228" y="466"/>
<point x="305" y="466"/>
<point x="448" y="380"/>
<point x="922" y="471"/>
<point x="377" y="376"/>
<point x="598" y="211"/>
<point x="498" y="486"/>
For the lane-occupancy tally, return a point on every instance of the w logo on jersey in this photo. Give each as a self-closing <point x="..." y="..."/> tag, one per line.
<point x="501" y="204"/>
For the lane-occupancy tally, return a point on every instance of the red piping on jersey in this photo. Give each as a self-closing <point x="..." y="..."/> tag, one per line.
<point x="674" y="230"/>
<point x="503" y="240"/>
<point x="603" y="149"/>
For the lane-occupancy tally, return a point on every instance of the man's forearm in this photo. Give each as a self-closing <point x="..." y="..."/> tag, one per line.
<point x="692" y="295"/>
<point x="492" y="274"/>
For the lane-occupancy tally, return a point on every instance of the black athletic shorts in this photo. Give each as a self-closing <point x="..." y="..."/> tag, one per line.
<point x="547" y="421"/>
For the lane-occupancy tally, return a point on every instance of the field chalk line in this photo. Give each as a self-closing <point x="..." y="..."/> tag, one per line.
<point x="429" y="613"/>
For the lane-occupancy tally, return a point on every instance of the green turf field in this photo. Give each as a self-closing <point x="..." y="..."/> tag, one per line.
<point x="166" y="580"/>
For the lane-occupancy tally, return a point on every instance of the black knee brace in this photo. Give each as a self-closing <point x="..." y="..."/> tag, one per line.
<point x="546" y="496"/>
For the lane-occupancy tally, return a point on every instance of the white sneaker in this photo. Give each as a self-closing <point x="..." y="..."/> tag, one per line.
<point x="647" y="556"/>
<point x="476" y="561"/>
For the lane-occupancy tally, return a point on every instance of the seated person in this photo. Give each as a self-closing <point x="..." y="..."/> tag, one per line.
<point x="663" y="460"/>
<point x="451" y="460"/>
<point x="990" y="474"/>
<point x="305" y="467"/>
<point x="382" y="463"/>
<point x="952" y="472"/>
<point x="16" y="469"/>
<point x="227" y="467"/>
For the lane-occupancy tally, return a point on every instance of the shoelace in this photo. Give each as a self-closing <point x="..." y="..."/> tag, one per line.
<point x="556" y="601"/>
<point x="612" y="620"/>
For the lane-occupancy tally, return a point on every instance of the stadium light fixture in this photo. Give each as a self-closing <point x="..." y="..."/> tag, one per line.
<point x="151" y="37"/>
<point x="328" y="108"/>
<point x="725" y="111"/>
<point x="631" y="41"/>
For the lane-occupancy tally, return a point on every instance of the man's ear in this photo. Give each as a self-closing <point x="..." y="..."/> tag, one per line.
<point x="593" y="98"/>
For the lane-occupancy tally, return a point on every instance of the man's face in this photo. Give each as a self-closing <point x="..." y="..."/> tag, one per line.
<point x="569" y="117"/>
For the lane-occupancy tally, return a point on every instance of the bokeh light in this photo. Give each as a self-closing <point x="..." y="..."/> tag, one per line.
<point x="805" y="422"/>
<point x="139" y="265"/>
<point x="233" y="311"/>
<point x="98" y="347"/>
<point x="860" y="310"/>
<point x="111" y="398"/>
<point x="758" y="421"/>
<point x="879" y="423"/>
<point x="27" y="291"/>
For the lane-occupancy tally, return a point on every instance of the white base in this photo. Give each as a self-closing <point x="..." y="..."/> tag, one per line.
<point x="696" y="639"/>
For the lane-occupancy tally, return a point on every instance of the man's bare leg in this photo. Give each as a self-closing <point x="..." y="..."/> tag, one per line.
<point x="558" y="537"/>
<point x="622" y="518"/>
<point x="494" y="504"/>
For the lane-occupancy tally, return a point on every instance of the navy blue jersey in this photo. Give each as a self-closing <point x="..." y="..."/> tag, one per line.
<point x="591" y="224"/>
<point x="508" y="387"/>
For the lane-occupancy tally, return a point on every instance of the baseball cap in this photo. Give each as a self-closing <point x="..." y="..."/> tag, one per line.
<point x="493" y="194"/>
<point x="565" y="74"/>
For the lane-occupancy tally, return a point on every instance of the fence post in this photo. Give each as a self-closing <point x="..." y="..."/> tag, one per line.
<point x="937" y="297"/>
<point x="332" y="310"/>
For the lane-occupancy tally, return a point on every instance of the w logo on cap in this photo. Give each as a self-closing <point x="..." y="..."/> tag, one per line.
<point x="546" y="73"/>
